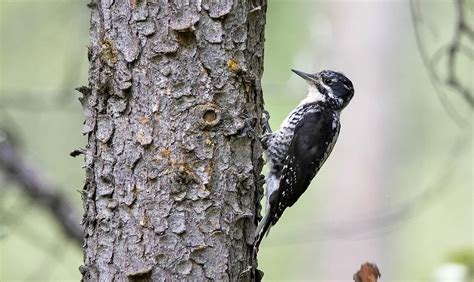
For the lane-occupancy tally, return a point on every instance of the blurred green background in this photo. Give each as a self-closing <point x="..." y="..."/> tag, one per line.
<point x="397" y="189"/>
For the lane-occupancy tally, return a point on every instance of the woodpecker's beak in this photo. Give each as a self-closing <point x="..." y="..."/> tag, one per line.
<point x="306" y="76"/>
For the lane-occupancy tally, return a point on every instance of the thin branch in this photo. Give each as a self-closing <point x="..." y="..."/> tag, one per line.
<point x="430" y="62"/>
<point x="462" y="28"/>
<point x="29" y="180"/>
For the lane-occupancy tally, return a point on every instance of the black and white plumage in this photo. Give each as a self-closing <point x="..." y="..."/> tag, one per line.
<point x="305" y="139"/>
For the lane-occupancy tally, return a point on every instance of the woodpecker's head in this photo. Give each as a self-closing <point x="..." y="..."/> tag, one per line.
<point x="331" y="88"/>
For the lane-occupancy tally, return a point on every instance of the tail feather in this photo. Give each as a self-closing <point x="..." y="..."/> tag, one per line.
<point x="268" y="220"/>
<point x="262" y="228"/>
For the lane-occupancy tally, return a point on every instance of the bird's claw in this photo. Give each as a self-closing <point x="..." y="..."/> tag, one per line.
<point x="268" y="129"/>
<point x="264" y="140"/>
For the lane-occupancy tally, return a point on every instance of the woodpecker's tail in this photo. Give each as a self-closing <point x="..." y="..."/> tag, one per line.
<point x="263" y="228"/>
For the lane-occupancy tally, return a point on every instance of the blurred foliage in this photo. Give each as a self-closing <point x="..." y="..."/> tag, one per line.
<point x="465" y="257"/>
<point x="43" y="58"/>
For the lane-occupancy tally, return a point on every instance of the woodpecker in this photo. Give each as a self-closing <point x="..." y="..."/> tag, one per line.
<point x="297" y="150"/>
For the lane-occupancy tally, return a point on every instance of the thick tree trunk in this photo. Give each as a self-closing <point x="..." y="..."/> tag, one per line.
<point x="173" y="118"/>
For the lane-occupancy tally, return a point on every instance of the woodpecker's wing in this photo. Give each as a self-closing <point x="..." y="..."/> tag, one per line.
<point x="314" y="137"/>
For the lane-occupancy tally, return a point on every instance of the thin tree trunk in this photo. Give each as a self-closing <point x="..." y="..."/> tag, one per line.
<point x="173" y="161"/>
<point x="367" y="130"/>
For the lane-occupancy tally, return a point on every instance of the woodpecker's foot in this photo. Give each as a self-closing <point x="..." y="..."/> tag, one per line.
<point x="264" y="140"/>
<point x="268" y="129"/>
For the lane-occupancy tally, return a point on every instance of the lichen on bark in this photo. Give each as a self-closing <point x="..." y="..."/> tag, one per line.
<point x="173" y="159"/>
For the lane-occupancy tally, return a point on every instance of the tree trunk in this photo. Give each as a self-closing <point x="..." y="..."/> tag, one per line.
<point x="373" y="121"/>
<point x="173" y="160"/>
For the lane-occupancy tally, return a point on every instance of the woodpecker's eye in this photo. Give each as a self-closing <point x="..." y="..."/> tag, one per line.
<point x="327" y="81"/>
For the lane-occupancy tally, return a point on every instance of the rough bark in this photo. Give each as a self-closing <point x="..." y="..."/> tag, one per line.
<point x="173" y="159"/>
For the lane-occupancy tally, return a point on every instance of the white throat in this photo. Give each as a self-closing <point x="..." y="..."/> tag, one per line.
<point x="313" y="96"/>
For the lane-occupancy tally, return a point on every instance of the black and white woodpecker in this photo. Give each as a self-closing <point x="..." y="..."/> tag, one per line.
<point x="297" y="151"/>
